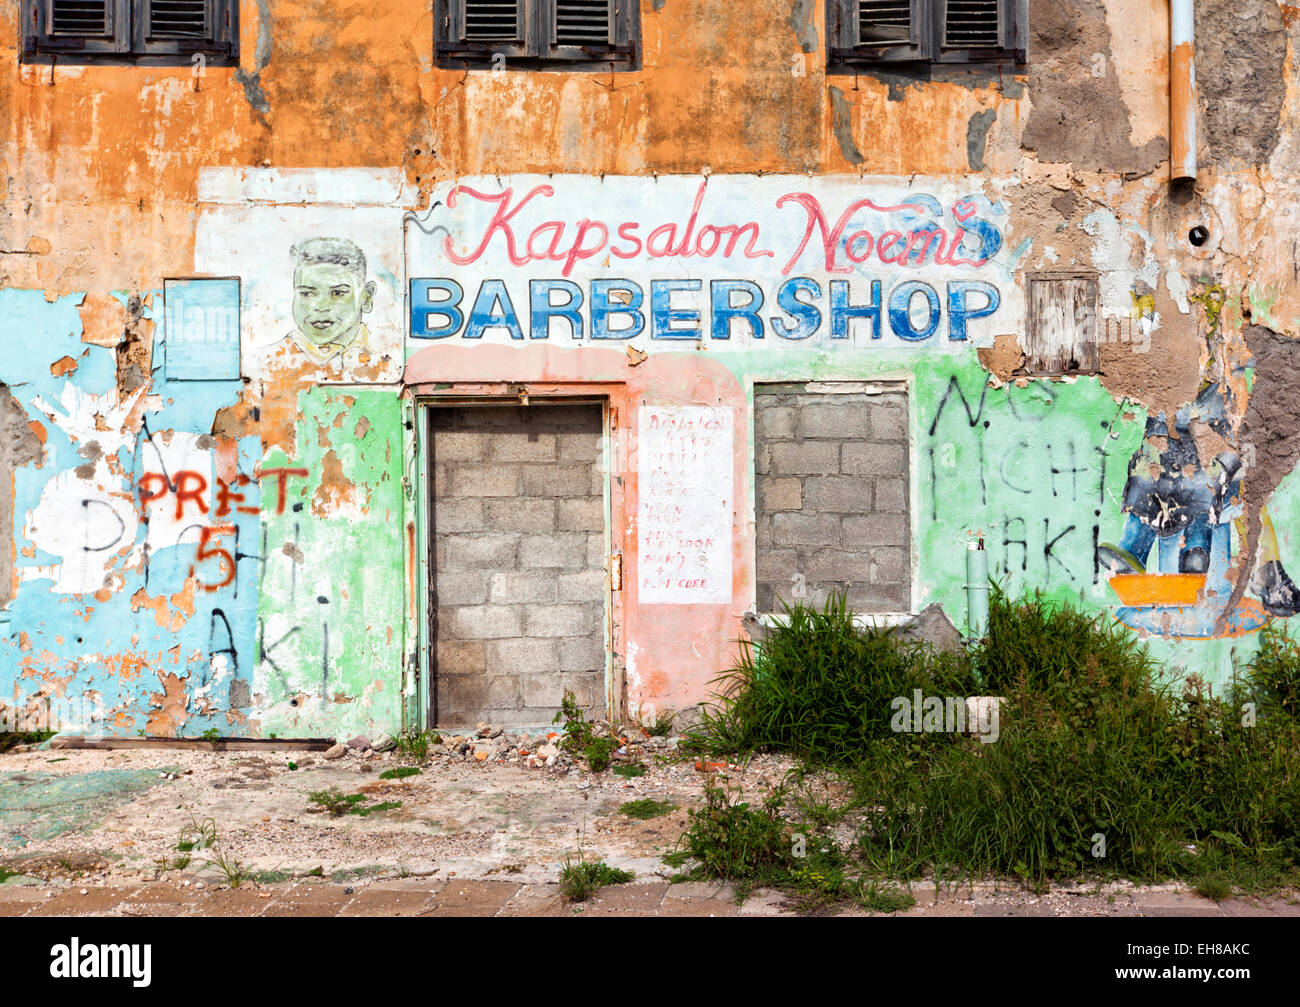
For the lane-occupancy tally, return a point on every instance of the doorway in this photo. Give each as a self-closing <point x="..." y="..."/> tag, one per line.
<point x="519" y="542"/>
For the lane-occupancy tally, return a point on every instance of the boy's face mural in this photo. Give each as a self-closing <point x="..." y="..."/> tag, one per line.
<point x="328" y="302"/>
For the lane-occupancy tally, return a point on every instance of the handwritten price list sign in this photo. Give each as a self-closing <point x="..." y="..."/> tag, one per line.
<point x="684" y="516"/>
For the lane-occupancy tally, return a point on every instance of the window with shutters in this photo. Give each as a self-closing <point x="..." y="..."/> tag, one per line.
<point x="157" y="32"/>
<point x="567" y="34"/>
<point x="926" y="32"/>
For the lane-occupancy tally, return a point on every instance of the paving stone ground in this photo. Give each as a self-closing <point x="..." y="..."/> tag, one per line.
<point x="85" y="837"/>
<point x="451" y="897"/>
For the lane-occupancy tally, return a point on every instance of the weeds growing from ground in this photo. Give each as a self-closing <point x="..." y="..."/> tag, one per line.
<point x="661" y="726"/>
<point x="1100" y="768"/>
<point x="416" y="745"/>
<point x="1274" y="671"/>
<point x="12" y="739"/>
<point x="629" y="770"/>
<point x="581" y="879"/>
<point x="338" y="803"/>
<point x="197" y="835"/>
<point x="820" y="687"/>
<point x="400" y="773"/>
<point x="580" y="736"/>
<point x="231" y="870"/>
<point x="646" y="808"/>
<point x="756" y="847"/>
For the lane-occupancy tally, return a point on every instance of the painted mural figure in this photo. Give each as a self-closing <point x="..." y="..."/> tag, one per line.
<point x="1175" y="500"/>
<point x="330" y="294"/>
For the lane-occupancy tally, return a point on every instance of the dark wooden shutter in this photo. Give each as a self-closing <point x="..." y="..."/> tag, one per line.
<point x="885" y="22"/>
<point x="876" y="30"/>
<point x="81" y="18"/>
<point x="583" y="23"/>
<point x="479" y="29"/>
<point x="492" y="21"/>
<point x="179" y="19"/>
<point x="972" y="24"/>
<point x="185" y="27"/>
<point x="590" y="30"/>
<point x="975" y="30"/>
<point x="76" y="26"/>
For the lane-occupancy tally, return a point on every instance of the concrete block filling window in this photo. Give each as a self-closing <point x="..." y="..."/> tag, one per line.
<point x="520" y="546"/>
<point x="832" y="495"/>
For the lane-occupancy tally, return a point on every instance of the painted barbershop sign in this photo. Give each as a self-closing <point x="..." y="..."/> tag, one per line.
<point x="748" y="261"/>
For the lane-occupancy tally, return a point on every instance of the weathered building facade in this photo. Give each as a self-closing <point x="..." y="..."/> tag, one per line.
<point x="380" y="367"/>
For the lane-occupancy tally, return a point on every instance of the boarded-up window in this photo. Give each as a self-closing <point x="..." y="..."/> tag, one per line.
<point x="1062" y="324"/>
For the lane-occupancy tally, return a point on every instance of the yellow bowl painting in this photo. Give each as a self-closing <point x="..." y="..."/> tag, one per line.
<point x="1145" y="589"/>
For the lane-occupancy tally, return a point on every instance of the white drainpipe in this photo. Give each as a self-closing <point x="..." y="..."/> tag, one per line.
<point x="1182" y="90"/>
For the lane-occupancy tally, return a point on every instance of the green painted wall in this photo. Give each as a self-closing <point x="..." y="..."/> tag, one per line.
<point x="333" y="592"/>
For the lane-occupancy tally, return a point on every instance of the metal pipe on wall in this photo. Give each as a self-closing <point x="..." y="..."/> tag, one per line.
<point x="977" y="591"/>
<point x="1182" y="90"/>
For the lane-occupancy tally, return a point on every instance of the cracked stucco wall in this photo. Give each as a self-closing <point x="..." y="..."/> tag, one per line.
<point x="101" y="203"/>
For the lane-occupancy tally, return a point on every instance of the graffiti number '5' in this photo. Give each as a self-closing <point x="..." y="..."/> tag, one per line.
<point x="207" y="550"/>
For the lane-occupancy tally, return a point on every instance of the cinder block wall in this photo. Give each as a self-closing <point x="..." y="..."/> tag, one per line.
<point x="832" y="497"/>
<point x="519" y="587"/>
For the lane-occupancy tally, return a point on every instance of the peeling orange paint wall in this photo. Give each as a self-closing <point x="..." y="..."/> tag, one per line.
<point x="338" y="123"/>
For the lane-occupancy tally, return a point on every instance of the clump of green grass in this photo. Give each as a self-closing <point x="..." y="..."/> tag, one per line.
<point x="6" y="874"/>
<point x="646" y="808"/>
<point x="630" y="769"/>
<point x="581" y="879"/>
<point x="1215" y="887"/>
<point x="1274" y="670"/>
<point x="755" y="847"/>
<point x="820" y="687"/>
<point x="580" y="736"/>
<point x="416" y="745"/>
<point x="197" y="835"/>
<point x="662" y="725"/>
<point x="729" y="839"/>
<point x="399" y="773"/>
<point x="1101" y="767"/>
<point x="232" y="871"/>
<point x="12" y="739"/>
<point x="338" y="803"/>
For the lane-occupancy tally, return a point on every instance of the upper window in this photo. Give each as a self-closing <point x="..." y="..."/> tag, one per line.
<point x="132" y="31"/>
<point x="492" y="34"/>
<point x="927" y="31"/>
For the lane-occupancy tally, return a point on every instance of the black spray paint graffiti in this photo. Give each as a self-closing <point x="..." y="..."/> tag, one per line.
<point x="1065" y="468"/>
